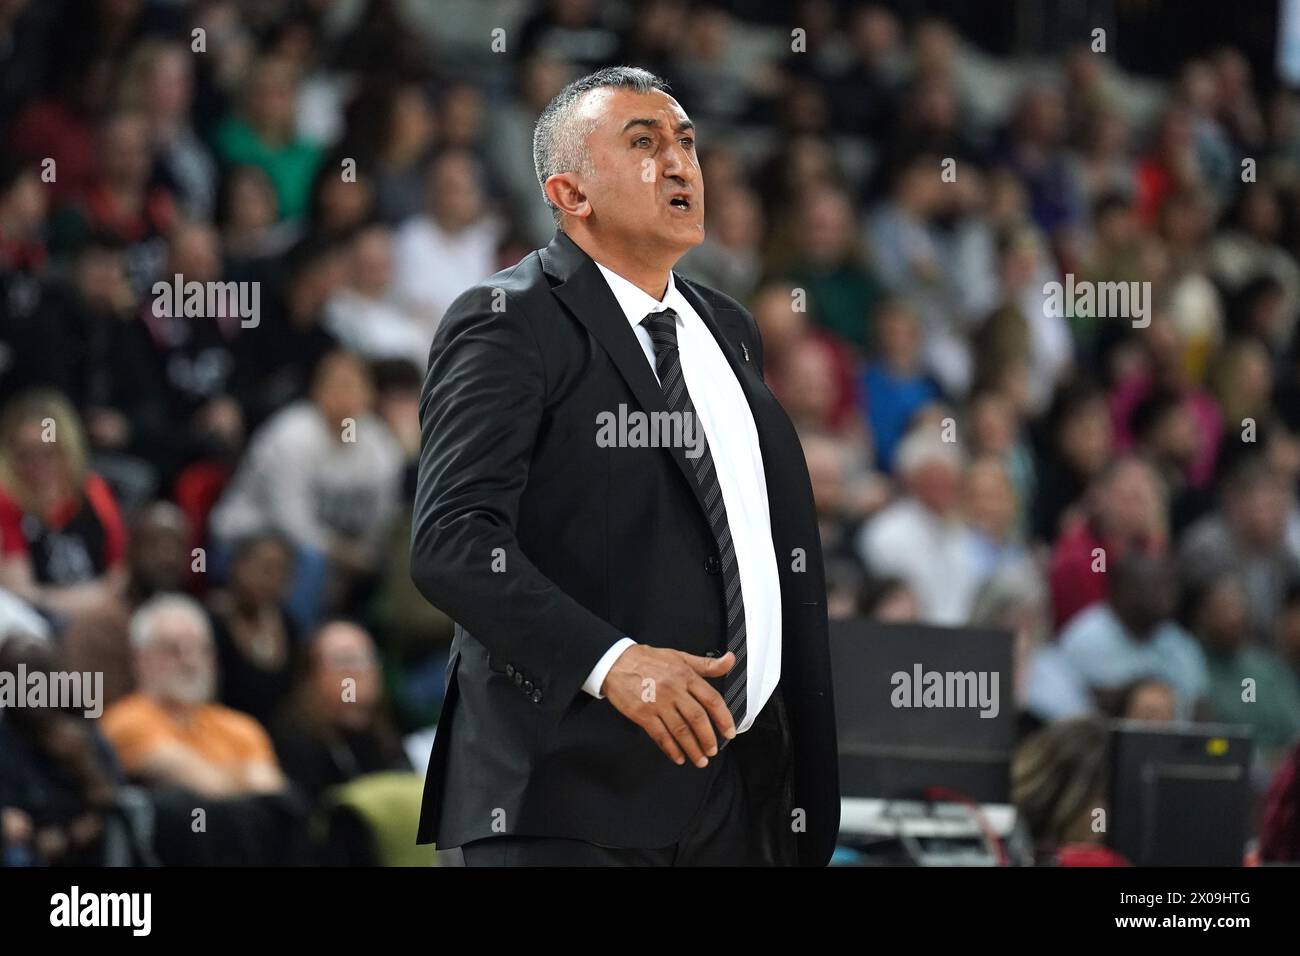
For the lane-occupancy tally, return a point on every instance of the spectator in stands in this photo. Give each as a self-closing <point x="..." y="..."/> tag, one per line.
<point x="123" y="201"/>
<point x="1242" y="381"/>
<point x="252" y="237"/>
<point x="995" y="430"/>
<point x="58" y="776"/>
<point x="828" y="263"/>
<point x="990" y="508"/>
<point x="342" y="198"/>
<point x="1246" y="535"/>
<point x="1023" y="331"/>
<point x="335" y="729"/>
<point x="257" y="643"/>
<point x="325" y="472"/>
<point x="1248" y="683"/>
<point x="178" y="403"/>
<point x="170" y="732"/>
<point x="263" y="134"/>
<point x="363" y="316"/>
<point x="1147" y="699"/>
<point x="921" y="537"/>
<point x="61" y="125"/>
<point x="1249" y="248"/>
<point x="1168" y="436"/>
<point x="894" y="384"/>
<point x="572" y="30"/>
<point x="450" y="246"/>
<point x="158" y="83"/>
<point x="1132" y="634"/>
<point x="405" y="141"/>
<point x="276" y="363"/>
<point x="158" y="554"/>
<point x="810" y="390"/>
<point x="844" y="492"/>
<point x="62" y="540"/>
<point x="538" y="78"/>
<point x="1034" y="149"/>
<point x="1060" y="782"/>
<point x="781" y="311"/>
<point x="1075" y="446"/>
<point x="1165" y="367"/>
<point x="1124" y="513"/>
<point x="730" y="258"/>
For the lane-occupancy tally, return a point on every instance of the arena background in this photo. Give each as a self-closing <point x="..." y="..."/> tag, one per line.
<point x="892" y="189"/>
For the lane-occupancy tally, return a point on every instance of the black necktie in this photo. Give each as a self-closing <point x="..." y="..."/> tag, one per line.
<point x="663" y="333"/>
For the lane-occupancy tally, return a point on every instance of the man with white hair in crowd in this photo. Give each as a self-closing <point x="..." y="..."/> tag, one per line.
<point x="921" y="537"/>
<point x="171" y="731"/>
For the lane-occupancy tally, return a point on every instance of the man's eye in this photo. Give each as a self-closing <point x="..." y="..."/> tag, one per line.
<point x="688" y="142"/>
<point x="641" y="141"/>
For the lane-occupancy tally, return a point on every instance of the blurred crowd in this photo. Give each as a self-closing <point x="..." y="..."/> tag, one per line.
<point x="214" y="512"/>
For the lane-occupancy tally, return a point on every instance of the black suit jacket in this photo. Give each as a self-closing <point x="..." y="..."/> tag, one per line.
<point x="546" y="549"/>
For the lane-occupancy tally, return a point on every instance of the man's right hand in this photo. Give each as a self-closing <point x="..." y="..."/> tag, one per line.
<point x="666" y="693"/>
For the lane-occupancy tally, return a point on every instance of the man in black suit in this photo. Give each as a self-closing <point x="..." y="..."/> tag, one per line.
<point x="616" y="512"/>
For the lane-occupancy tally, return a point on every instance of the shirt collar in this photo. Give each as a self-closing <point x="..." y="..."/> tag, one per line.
<point x="635" y="302"/>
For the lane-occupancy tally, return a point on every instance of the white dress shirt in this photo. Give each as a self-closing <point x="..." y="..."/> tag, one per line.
<point x="728" y="424"/>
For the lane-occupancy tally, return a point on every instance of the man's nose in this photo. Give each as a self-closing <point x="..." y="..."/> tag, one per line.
<point x="677" y="165"/>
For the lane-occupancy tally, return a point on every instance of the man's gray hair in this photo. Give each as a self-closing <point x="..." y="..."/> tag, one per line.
<point x="142" y="621"/>
<point x="560" y="137"/>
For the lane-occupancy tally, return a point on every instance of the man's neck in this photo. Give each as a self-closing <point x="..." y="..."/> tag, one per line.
<point x="183" y="712"/>
<point x="646" y="272"/>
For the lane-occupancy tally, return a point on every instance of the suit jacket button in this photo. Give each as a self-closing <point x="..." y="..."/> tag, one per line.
<point x="537" y="696"/>
<point x="528" y="687"/>
<point x="510" y="670"/>
<point x="519" y="678"/>
<point x="712" y="565"/>
<point x="710" y="653"/>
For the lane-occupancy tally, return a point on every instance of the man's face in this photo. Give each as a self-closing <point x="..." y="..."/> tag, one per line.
<point x="937" y="485"/>
<point x="159" y="554"/>
<point x="344" y="652"/>
<point x="643" y="185"/>
<point x="1258" y="514"/>
<point x="1143" y="596"/>
<point x="179" y="663"/>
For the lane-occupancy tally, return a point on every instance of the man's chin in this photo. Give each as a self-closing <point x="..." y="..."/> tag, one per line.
<point x="686" y="236"/>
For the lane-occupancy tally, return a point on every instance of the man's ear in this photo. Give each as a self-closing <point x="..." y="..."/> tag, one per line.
<point x="562" y="189"/>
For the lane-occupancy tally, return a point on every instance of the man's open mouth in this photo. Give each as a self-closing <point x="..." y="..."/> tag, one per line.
<point x="680" y="202"/>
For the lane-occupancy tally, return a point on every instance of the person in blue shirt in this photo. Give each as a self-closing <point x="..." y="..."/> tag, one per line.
<point x="894" y="384"/>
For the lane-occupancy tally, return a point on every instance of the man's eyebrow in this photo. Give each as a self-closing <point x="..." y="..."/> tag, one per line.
<point x="654" y="123"/>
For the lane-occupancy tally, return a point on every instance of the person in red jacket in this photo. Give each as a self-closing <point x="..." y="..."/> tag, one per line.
<point x="1124" y="510"/>
<point x="62" y="539"/>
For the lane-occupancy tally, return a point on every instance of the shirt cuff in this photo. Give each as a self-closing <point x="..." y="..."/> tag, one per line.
<point x="597" y="676"/>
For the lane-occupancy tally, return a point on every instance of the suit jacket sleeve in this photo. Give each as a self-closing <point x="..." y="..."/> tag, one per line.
<point x="480" y="410"/>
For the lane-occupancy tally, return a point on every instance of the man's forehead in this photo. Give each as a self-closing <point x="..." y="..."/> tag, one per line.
<point x="613" y="107"/>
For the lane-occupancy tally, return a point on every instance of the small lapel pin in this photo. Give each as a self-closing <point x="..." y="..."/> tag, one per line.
<point x="745" y="348"/>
